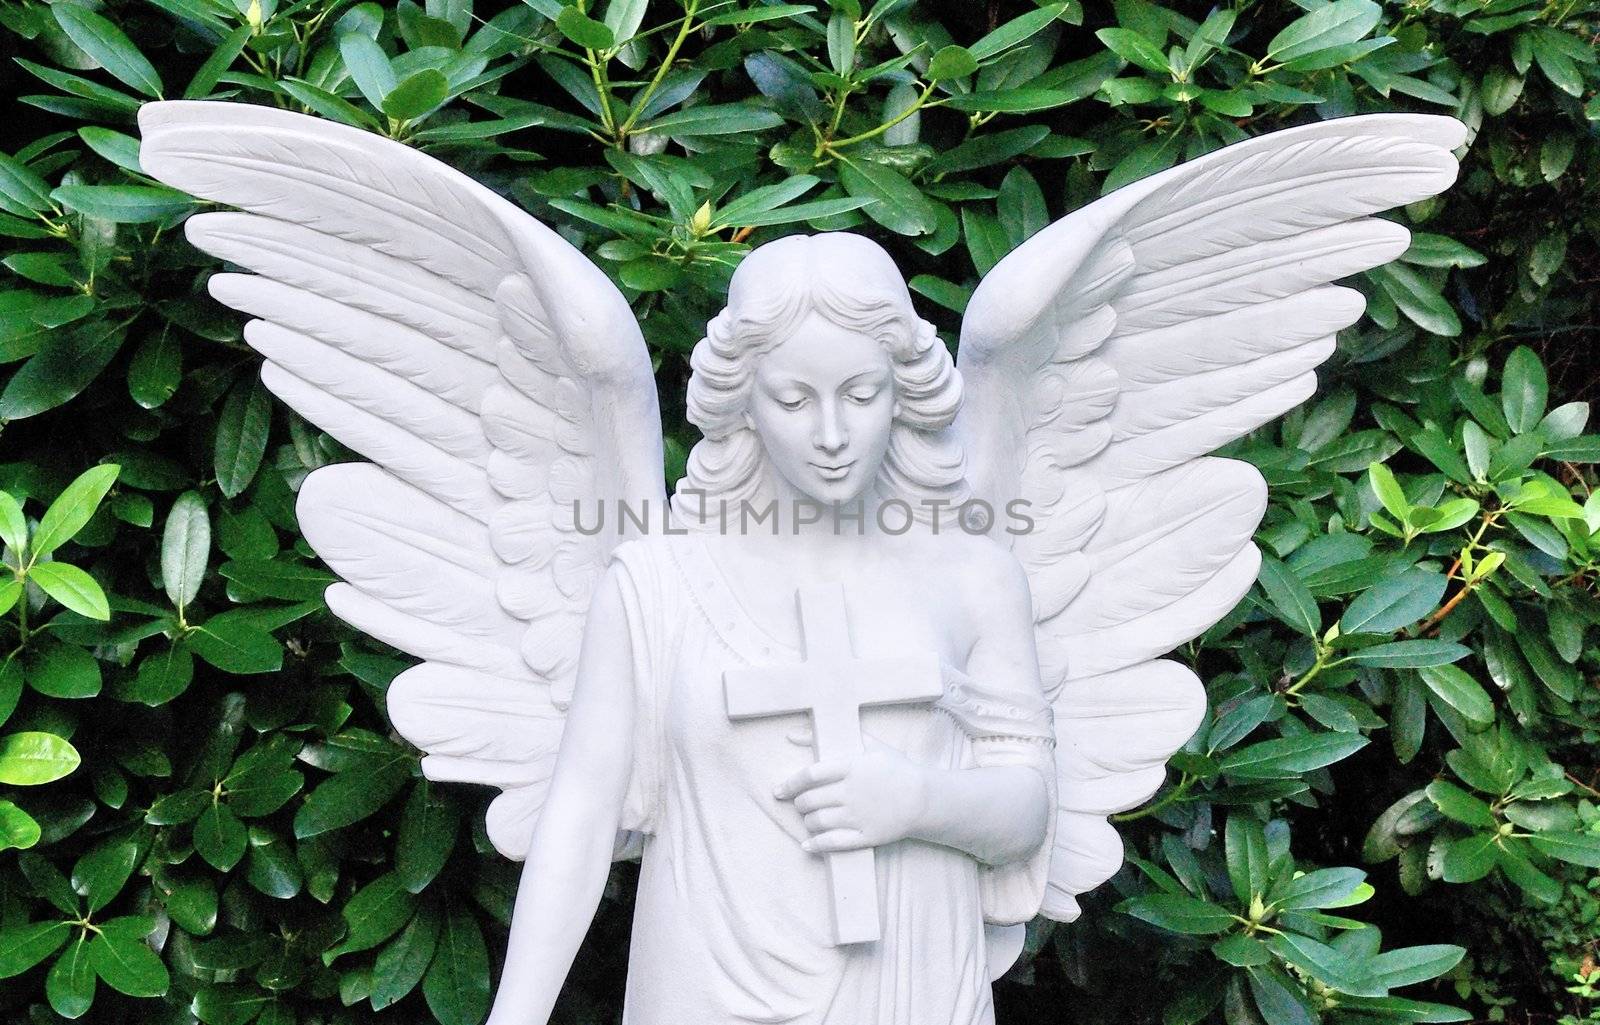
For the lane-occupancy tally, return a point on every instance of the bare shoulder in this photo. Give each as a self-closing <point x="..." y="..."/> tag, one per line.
<point x="984" y="569"/>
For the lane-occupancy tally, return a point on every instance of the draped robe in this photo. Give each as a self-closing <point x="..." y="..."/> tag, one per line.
<point x="732" y="918"/>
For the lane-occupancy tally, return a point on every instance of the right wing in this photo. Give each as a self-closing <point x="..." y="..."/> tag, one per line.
<point x="1104" y="359"/>
<point x="492" y="374"/>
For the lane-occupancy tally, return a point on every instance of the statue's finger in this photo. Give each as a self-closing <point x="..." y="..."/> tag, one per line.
<point x="819" y="797"/>
<point x="812" y="775"/>
<point x="835" y="840"/>
<point x="824" y="819"/>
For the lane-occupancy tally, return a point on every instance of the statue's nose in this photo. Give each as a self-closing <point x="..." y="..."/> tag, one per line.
<point x="830" y="436"/>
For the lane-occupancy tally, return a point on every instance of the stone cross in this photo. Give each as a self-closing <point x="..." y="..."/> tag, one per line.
<point x="833" y="686"/>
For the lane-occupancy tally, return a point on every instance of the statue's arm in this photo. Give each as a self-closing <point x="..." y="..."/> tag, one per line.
<point x="570" y="855"/>
<point x="996" y="813"/>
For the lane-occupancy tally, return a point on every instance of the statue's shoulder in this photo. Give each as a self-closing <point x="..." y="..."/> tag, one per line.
<point x="977" y="566"/>
<point x="659" y="552"/>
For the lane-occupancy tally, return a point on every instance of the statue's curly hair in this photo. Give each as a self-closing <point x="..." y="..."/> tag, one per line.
<point x="853" y="283"/>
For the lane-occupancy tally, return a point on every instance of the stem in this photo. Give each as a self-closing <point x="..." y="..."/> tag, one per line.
<point x="921" y="101"/>
<point x="661" y="72"/>
<point x="22" y="614"/>
<point x="1437" y="616"/>
<point x="1176" y="794"/>
<point x="1311" y="674"/>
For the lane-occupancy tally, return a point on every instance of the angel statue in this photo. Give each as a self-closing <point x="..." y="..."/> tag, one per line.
<point x="862" y="700"/>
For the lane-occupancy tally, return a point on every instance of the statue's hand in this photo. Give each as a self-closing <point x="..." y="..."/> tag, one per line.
<point x="872" y="799"/>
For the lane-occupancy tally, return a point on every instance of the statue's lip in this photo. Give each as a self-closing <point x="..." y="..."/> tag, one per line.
<point x="839" y="469"/>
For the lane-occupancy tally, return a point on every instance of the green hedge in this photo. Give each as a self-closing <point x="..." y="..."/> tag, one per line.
<point x="203" y="810"/>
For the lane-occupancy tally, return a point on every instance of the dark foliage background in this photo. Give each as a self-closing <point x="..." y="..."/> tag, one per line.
<point x="203" y="811"/>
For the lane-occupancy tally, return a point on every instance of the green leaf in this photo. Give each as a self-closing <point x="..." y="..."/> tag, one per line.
<point x="987" y="150"/>
<point x="1241" y="951"/>
<point x="368" y="66"/>
<point x="352" y="795"/>
<point x="1247" y="857"/>
<point x="417" y="94"/>
<point x="584" y="30"/>
<point x="1388" y="490"/>
<point x="1146" y="159"/>
<point x="376" y="912"/>
<point x="1417" y="299"/>
<point x="1014" y="101"/>
<point x="1334" y="968"/>
<point x="191" y="902"/>
<point x="1411" y="965"/>
<point x="230" y="1004"/>
<point x="262" y="791"/>
<point x="1427" y="250"/>
<point x="273" y="868"/>
<point x="235" y="643"/>
<point x="1291" y="756"/>
<point x="220" y="59"/>
<point x="1135" y="49"/>
<point x="73" y="588"/>
<point x="155" y="370"/>
<point x="715" y="119"/>
<point x="1324" y="888"/>
<point x="1410" y="654"/>
<point x="219" y="837"/>
<point x="125" y="962"/>
<point x="1460" y="691"/>
<point x="18" y="829"/>
<point x="401" y="965"/>
<point x="1576" y="848"/>
<point x="13" y="524"/>
<point x="161" y="676"/>
<point x="1394" y="603"/>
<point x="31" y="757"/>
<point x="951" y="62"/>
<point x="1017" y="30"/>
<point x="101" y="874"/>
<point x="242" y="430"/>
<point x="328" y="105"/>
<point x="1469" y="858"/>
<point x="1188" y="915"/>
<point x="185" y="548"/>
<point x="896" y="203"/>
<point x="72" y="509"/>
<point x="1524" y="390"/>
<point x="1290" y="598"/>
<point x="428" y="828"/>
<point x="109" y="47"/>
<point x="124" y="204"/>
<point x="1461" y="806"/>
<point x="23" y="946"/>
<point x="1326" y="27"/>
<point x="22" y="185"/>
<point x="61" y="670"/>
<point x="69" y="987"/>
<point x="457" y="984"/>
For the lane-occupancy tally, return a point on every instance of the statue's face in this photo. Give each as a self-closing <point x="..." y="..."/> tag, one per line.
<point x="823" y="405"/>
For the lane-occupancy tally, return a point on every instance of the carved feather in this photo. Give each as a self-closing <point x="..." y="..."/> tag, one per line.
<point x="402" y="308"/>
<point x="1116" y="349"/>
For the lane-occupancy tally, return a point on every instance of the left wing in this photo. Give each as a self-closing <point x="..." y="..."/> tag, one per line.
<point x="1103" y="359"/>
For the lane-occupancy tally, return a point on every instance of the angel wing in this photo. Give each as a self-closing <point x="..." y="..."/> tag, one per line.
<point x="1103" y="359"/>
<point x="491" y="374"/>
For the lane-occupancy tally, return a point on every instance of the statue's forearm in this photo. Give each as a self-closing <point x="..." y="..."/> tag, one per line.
<point x="560" y="888"/>
<point x="997" y="814"/>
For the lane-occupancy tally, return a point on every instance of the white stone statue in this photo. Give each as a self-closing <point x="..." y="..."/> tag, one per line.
<point x="854" y="737"/>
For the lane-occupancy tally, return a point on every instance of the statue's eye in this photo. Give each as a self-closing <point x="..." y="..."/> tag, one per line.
<point x="792" y="404"/>
<point x="861" y="398"/>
